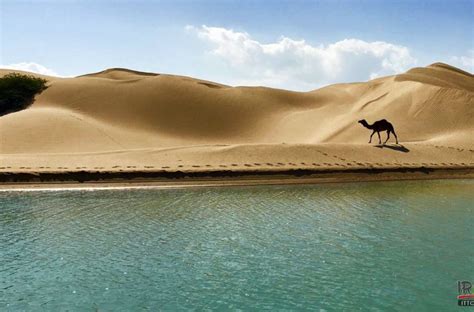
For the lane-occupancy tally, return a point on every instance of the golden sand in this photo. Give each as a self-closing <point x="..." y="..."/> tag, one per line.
<point x="121" y="120"/>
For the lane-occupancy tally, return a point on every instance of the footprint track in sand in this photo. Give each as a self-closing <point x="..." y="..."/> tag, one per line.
<point x="339" y="158"/>
<point x="334" y="156"/>
<point x="453" y="148"/>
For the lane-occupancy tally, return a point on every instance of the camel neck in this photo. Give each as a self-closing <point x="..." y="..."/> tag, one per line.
<point x="367" y="125"/>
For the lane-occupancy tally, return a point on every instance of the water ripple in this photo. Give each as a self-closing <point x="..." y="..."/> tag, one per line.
<point x="331" y="247"/>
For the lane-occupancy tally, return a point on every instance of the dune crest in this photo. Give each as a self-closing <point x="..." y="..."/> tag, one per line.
<point x="440" y="74"/>
<point x="119" y="74"/>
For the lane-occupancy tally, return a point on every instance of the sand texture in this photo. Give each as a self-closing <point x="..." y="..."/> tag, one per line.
<point x="124" y="120"/>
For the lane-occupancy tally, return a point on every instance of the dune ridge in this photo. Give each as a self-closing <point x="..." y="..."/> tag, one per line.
<point x="153" y="120"/>
<point x="119" y="73"/>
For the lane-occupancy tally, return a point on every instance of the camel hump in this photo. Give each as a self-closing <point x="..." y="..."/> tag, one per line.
<point x="385" y="121"/>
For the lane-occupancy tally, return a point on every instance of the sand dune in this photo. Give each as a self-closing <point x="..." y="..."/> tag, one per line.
<point x="132" y="118"/>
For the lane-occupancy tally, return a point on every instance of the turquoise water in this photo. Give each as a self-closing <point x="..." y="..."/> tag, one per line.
<point x="369" y="246"/>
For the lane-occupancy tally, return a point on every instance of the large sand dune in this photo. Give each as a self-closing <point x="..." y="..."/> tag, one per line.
<point x="120" y="119"/>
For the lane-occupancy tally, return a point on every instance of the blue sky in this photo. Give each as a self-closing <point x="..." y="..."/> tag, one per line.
<point x="297" y="45"/>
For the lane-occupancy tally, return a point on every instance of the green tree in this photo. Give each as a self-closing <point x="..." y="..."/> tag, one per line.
<point x="17" y="91"/>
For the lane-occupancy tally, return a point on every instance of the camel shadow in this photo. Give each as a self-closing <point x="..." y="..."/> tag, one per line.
<point x="399" y="148"/>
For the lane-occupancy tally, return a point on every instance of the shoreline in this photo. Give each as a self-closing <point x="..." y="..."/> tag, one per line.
<point x="179" y="179"/>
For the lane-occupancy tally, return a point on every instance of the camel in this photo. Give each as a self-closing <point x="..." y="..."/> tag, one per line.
<point x="380" y="125"/>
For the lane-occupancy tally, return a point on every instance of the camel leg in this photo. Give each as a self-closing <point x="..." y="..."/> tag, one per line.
<point x="370" y="140"/>
<point x="380" y="140"/>
<point x="396" y="138"/>
<point x="388" y="136"/>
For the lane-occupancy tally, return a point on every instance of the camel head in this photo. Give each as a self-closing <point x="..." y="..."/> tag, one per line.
<point x="364" y="123"/>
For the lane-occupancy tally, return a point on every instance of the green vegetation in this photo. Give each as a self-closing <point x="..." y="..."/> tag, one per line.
<point x="17" y="91"/>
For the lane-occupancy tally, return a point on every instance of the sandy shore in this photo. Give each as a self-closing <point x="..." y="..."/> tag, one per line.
<point x="127" y="180"/>
<point x="220" y="166"/>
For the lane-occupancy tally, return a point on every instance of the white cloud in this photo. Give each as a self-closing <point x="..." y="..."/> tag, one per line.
<point x="31" y="67"/>
<point x="289" y="63"/>
<point x="464" y="62"/>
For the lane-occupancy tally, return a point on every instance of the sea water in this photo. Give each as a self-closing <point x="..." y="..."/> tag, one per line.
<point x="357" y="246"/>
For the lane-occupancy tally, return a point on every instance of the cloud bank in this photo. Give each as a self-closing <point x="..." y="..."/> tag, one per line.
<point x="289" y="63"/>
<point x="31" y="67"/>
<point x="465" y="62"/>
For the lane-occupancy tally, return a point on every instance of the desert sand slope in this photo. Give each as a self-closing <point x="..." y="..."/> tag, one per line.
<point x="127" y="119"/>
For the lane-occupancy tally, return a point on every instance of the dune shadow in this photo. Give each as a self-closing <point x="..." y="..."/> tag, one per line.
<point x="399" y="147"/>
